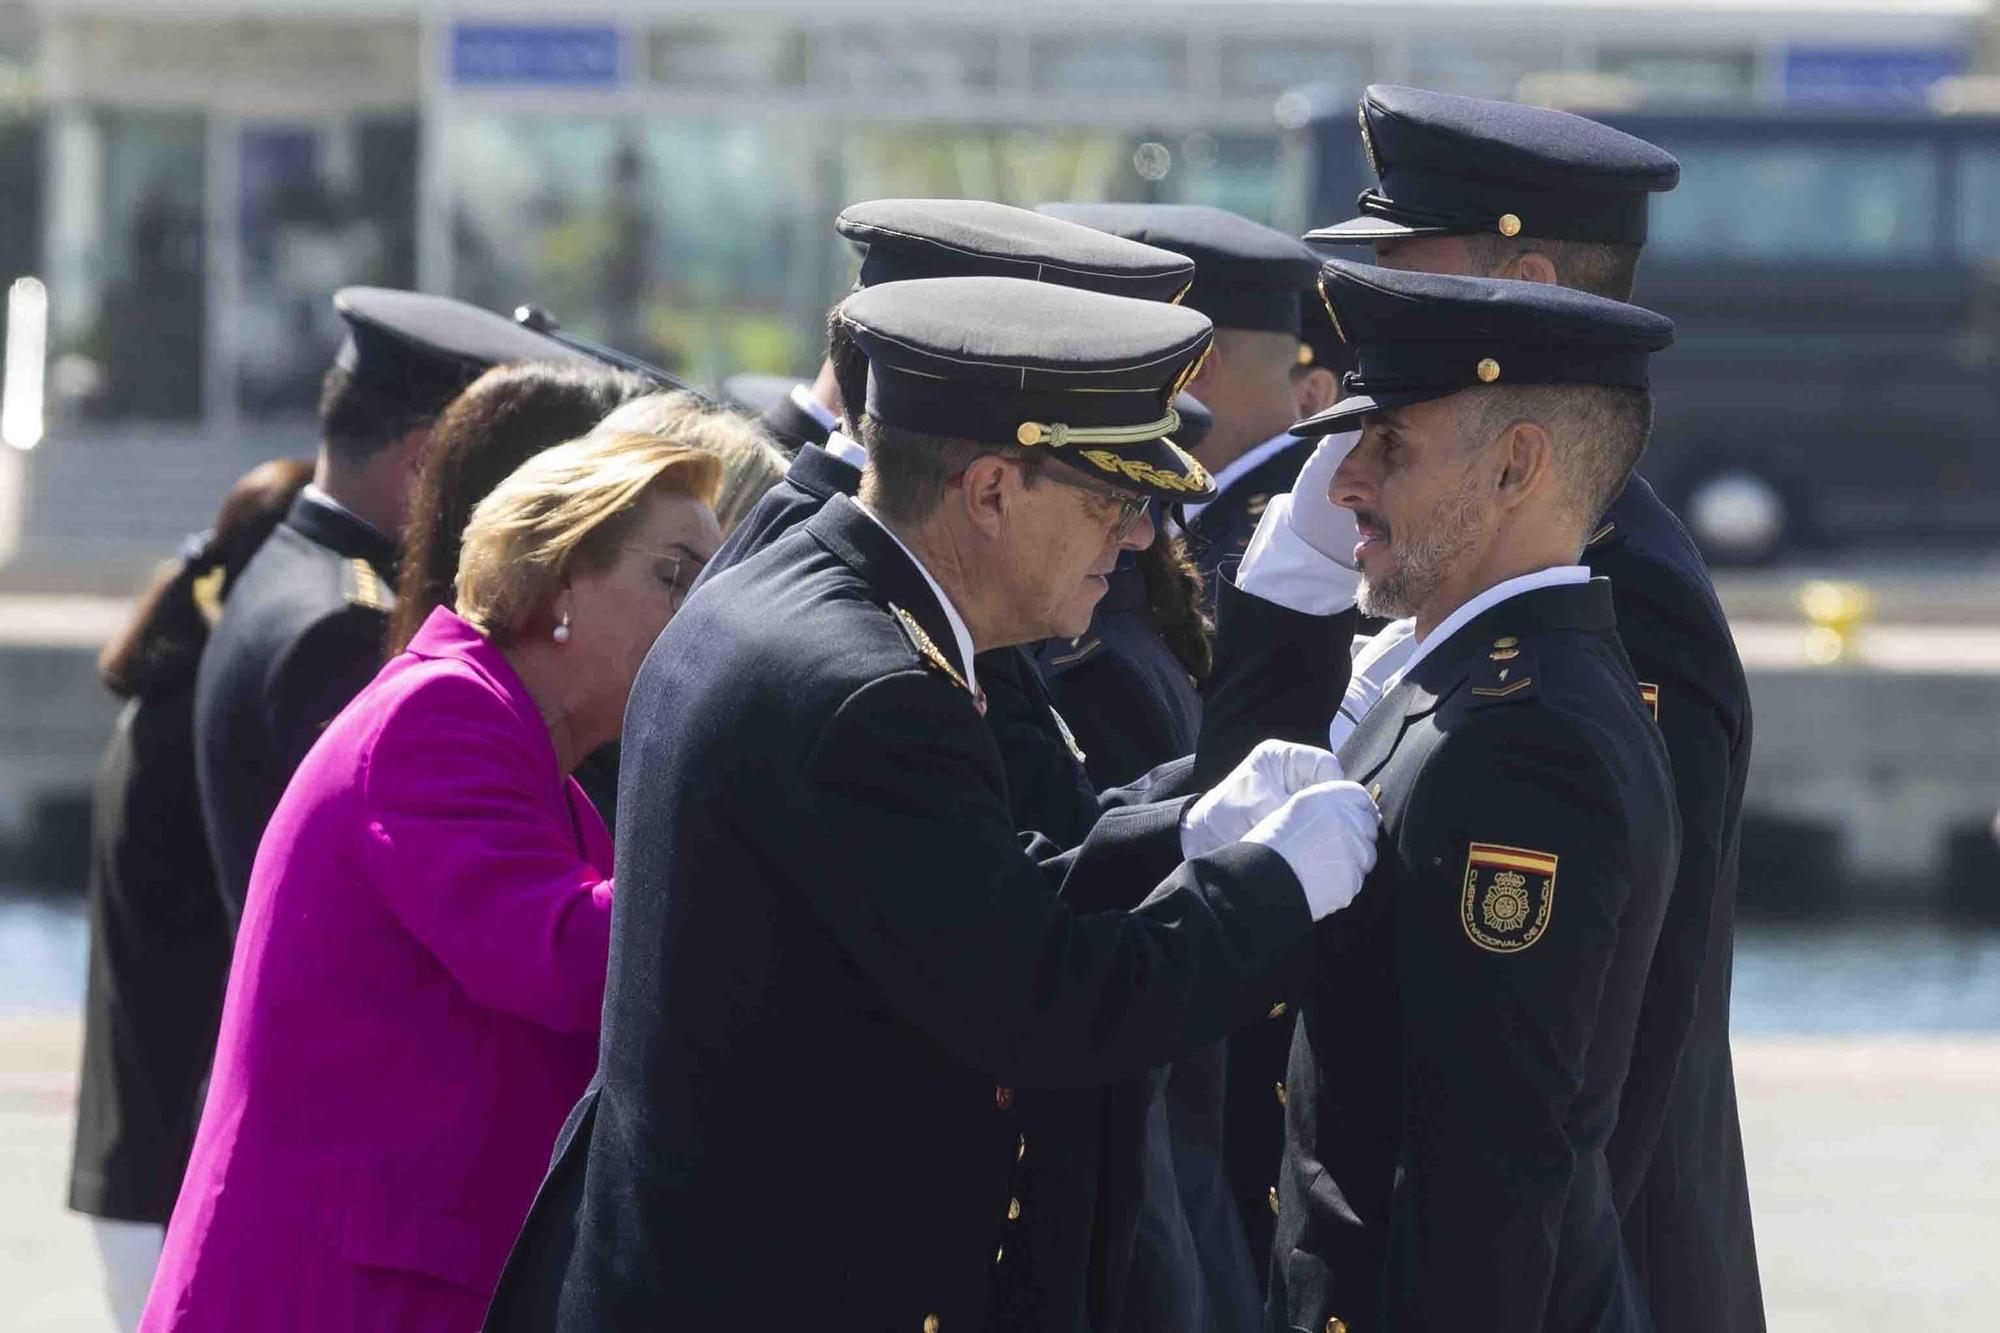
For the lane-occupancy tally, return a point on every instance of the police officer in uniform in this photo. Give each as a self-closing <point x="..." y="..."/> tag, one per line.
<point x="1495" y="189"/>
<point x="814" y="1008"/>
<point x="1248" y="280"/>
<point x="1129" y="685"/>
<point x="303" y="628"/>
<point x="1459" y="1058"/>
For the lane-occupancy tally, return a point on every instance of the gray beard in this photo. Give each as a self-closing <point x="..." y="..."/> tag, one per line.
<point x="1429" y="549"/>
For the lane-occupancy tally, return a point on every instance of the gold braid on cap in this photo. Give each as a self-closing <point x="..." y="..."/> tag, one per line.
<point x="1056" y="434"/>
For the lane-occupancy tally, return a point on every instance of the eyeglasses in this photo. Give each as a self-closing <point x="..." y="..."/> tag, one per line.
<point x="678" y="587"/>
<point x="1130" y="507"/>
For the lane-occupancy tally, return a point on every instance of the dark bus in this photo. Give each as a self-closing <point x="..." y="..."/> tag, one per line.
<point x="1835" y="280"/>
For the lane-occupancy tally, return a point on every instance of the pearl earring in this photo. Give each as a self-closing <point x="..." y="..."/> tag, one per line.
<point x="561" y="632"/>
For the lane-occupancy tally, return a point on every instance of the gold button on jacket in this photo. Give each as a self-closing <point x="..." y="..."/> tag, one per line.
<point x="932" y="1323"/>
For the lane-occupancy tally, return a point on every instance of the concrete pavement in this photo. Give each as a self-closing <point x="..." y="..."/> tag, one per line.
<point x="1874" y="1169"/>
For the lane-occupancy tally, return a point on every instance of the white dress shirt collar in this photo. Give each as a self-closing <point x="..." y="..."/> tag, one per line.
<point x="957" y="622"/>
<point x="1554" y="576"/>
<point x="1239" y="466"/>
<point x="802" y="398"/>
<point x="847" y="450"/>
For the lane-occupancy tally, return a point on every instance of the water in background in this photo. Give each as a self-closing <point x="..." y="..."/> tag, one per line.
<point x="1792" y="979"/>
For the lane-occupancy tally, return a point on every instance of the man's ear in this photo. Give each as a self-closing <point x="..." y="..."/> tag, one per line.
<point x="1530" y="266"/>
<point x="1315" y="391"/>
<point x="1526" y="454"/>
<point x="989" y="490"/>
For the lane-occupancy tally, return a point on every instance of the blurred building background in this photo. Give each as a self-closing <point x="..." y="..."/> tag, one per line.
<point x="186" y="184"/>
<point x="190" y="181"/>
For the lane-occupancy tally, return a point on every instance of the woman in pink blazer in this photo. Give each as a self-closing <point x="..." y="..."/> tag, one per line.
<point x="414" y="1000"/>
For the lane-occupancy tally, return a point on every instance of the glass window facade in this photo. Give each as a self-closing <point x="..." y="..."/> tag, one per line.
<point x="128" y="279"/>
<point x="1803" y="201"/>
<point x="1978" y="222"/>
<point x="707" y="244"/>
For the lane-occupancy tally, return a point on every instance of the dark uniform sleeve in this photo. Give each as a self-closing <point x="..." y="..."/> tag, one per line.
<point x="1508" y="915"/>
<point x="1692" y="722"/>
<point x="1279" y="674"/>
<point x="321" y="672"/>
<point x="305" y="688"/>
<point x="915" y="868"/>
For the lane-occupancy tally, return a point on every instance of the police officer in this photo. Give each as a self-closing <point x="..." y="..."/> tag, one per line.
<point x="1491" y="188"/>
<point x="851" y="1005"/>
<point x="303" y="628"/>
<point x="1248" y="280"/>
<point x="1129" y="685"/>
<point x="1458" y="1061"/>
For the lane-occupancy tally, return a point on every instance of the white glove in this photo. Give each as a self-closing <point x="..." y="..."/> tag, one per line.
<point x="1265" y="779"/>
<point x="1302" y="554"/>
<point x="1326" y="834"/>
<point x="1376" y="662"/>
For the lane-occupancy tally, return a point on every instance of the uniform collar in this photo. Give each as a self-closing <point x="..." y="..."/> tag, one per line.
<point x="1240" y="467"/>
<point x="821" y="473"/>
<point x="897" y="577"/>
<point x="1427" y="681"/>
<point x="326" y="522"/>
<point x="959" y="632"/>
<point x="1553" y="577"/>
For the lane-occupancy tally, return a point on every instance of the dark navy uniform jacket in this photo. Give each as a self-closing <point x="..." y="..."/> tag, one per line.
<point x="1219" y="534"/>
<point x="810" y="1042"/>
<point x="1277" y="673"/>
<point x="1120" y="688"/>
<point x="301" y="633"/>
<point x="1458" y="1063"/>
<point x="1677" y="1155"/>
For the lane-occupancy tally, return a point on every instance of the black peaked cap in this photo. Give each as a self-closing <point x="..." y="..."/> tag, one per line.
<point x="1087" y="376"/>
<point x="416" y="351"/>
<point x="1246" y="275"/>
<point x="956" y="238"/>
<point x="1419" y="336"/>
<point x="1450" y="165"/>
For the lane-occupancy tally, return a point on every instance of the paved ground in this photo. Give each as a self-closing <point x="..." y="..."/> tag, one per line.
<point x="1875" y="1166"/>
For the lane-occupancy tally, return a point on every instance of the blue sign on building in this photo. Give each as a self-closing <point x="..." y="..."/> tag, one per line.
<point x="1867" y="76"/>
<point x="540" y="55"/>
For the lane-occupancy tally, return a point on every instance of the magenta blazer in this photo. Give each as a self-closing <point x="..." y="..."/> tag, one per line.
<point x="412" y="1011"/>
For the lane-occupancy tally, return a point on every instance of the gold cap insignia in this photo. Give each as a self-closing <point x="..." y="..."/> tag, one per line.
<point x="1488" y="370"/>
<point x="1509" y="225"/>
<point x="1509" y="896"/>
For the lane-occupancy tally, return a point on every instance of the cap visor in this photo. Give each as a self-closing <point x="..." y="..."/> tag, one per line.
<point x="1366" y="228"/>
<point x="1159" y="469"/>
<point x="1343" y="415"/>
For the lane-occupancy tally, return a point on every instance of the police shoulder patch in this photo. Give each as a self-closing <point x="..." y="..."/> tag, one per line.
<point x="362" y="586"/>
<point x="1509" y="896"/>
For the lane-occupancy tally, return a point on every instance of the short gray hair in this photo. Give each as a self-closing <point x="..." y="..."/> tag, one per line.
<point x="1599" y="433"/>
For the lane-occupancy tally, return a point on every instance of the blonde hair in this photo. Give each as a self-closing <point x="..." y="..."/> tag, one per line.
<point x="751" y="462"/>
<point x="567" y="507"/>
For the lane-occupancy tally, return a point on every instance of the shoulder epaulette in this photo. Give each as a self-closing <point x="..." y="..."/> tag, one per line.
<point x="362" y="586"/>
<point x="926" y="649"/>
<point x="1505" y="675"/>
